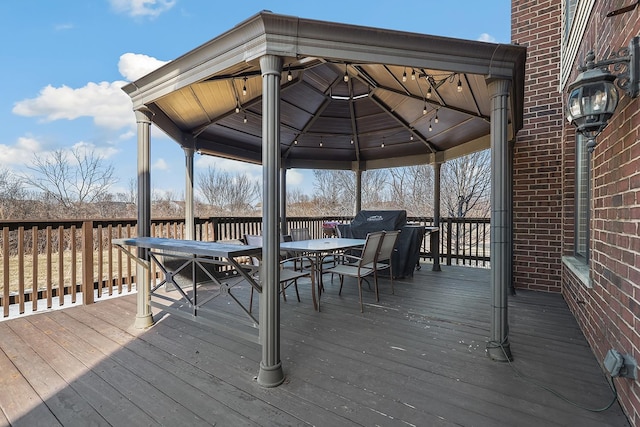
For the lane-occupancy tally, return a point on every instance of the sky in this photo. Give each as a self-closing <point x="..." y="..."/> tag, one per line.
<point x="64" y="62"/>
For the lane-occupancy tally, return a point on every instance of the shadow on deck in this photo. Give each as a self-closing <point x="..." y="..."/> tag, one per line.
<point x="416" y="358"/>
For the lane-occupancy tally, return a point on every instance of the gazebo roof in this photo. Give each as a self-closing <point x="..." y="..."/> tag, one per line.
<point x="375" y="119"/>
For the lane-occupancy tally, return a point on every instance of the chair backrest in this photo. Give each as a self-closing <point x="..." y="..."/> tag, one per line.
<point x="300" y="234"/>
<point x="253" y="240"/>
<point x="371" y="248"/>
<point x="387" y="245"/>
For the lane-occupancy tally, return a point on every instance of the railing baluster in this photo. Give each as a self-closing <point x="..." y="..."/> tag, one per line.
<point x="74" y="261"/>
<point x="60" y="265"/>
<point x="5" y="271"/>
<point x="34" y="268"/>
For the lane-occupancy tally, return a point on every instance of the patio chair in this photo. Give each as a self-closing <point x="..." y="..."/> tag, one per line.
<point x="385" y="254"/>
<point x="360" y="267"/>
<point x="288" y="276"/>
<point x="298" y="234"/>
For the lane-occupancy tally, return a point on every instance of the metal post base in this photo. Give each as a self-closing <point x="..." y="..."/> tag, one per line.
<point x="499" y="353"/>
<point x="143" y="322"/>
<point x="271" y="376"/>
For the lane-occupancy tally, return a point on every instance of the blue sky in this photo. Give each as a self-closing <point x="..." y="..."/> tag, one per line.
<point x="64" y="62"/>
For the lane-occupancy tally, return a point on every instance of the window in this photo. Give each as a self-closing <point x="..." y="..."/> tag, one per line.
<point x="569" y="14"/>
<point x="583" y="201"/>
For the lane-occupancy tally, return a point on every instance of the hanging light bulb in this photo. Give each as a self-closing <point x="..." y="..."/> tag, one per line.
<point x="404" y="75"/>
<point x="295" y="142"/>
<point x="382" y="145"/>
<point x="424" y="110"/>
<point x="436" y="118"/>
<point x="459" y="84"/>
<point x="411" y="136"/>
<point x="244" y="87"/>
<point x="413" y="74"/>
<point x="429" y="93"/>
<point x="244" y="119"/>
<point x="430" y="127"/>
<point x="237" y="107"/>
<point x="289" y="75"/>
<point x="320" y="143"/>
<point x="346" y="75"/>
<point x="351" y="141"/>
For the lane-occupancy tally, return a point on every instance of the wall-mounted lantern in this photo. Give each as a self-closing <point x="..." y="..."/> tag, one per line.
<point x="593" y="97"/>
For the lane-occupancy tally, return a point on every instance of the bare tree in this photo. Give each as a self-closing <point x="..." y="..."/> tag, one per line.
<point x="412" y="189"/>
<point x="234" y="193"/>
<point x="466" y="183"/>
<point x="72" y="179"/>
<point x="12" y="195"/>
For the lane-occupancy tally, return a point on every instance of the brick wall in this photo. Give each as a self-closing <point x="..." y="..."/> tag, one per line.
<point x="608" y="312"/>
<point x="537" y="181"/>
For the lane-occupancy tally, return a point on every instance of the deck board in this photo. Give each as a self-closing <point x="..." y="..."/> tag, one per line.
<point x="414" y="358"/>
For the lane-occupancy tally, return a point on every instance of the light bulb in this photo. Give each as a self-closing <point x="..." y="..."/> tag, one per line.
<point x="413" y="74"/>
<point x="237" y="108"/>
<point x="289" y="76"/>
<point x="244" y="87"/>
<point x="244" y="120"/>
<point x="404" y="75"/>
<point x="436" y="118"/>
<point x="382" y="145"/>
<point x="320" y="143"/>
<point x="424" y="111"/>
<point x="429" y="93"/>
<point x="430" y="128"/>
<point x="411" y="137"/>
<point x="459" y="85"/>
<point x="351" y="141"/>
<point x="295" y="142"/>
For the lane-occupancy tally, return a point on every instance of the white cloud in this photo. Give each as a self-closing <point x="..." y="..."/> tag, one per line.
<point x="484" y="37"/>
<point x="294" y="177"/>
<point x="160" y="165"/>
<point x="109" y="106"/>
<point x="142" y="8"/>
<point x="18" y="153"/>
<point x="63" y="27"/>
<point x="106" y="152"/>
<point x="105" y="102"/>
<point x="132" y="66"/>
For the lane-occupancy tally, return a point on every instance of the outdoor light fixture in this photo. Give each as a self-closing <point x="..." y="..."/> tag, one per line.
<point x="429" y="93"/>
<point x="346" y="75"/>
<point x="413" y="74"/>
<point x="459" y="84"/>
<point x="593" y="97"/>
<point x="244" y="87"/>
<point x="404" y="75"/>
<point x="289" y="75"/>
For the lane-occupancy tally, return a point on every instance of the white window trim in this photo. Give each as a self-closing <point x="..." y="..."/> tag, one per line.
<point x="570" y="46"/>
<point x="579" y="269"/>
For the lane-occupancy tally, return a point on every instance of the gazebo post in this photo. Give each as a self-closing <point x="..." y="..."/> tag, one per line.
<point x="189" y="216"/>
<point x="435" y="248"/>
<point x="144" y="318"/>
<point x="271" y="373"/>
<point x="498" y="347"/>
<point x="358" y="205"/>
<point x="283" y="200"/>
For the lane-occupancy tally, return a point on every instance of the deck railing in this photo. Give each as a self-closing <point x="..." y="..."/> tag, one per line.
<point x="51" y="263"/>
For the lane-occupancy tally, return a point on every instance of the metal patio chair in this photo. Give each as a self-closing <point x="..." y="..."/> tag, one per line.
<point x="361" y="267"/>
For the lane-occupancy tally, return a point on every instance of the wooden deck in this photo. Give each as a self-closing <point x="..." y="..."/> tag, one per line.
<point x="415" y="359"/>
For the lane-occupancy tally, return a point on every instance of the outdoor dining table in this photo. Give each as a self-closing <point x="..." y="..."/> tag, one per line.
<point x="320" y="248"/>
<point x="187" y="265"/>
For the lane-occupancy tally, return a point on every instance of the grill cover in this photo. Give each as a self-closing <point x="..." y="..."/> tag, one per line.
<point x="407" y="250"/>
<point x="369" y="221"/>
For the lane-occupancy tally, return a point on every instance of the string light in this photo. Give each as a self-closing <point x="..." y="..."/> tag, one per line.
<point x="382" y="145"/>
<point x="244" y="87"/>
<point x="237" y="106"/>
<point x="320" y="141"/>
<point x="429" y="93"/>
<point x="289" y="75"/>
<point x="346" y="75"/>
<point x="424" y="110"/>
<point x="436" y="118"/>
<point x="459" y="84"/>
<point x="244" y="119"/>
<point x="411" y="136"/>
<point x="351" y="141"/>
<point x="295" y="142"/>
<point x="413" y="74"/>
<point x="430" y="127"/>
<point x="404" y="75"/>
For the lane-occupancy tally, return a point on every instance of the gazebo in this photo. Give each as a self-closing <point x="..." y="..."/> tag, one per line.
<point x="289" y="92"/>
